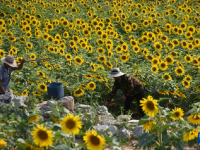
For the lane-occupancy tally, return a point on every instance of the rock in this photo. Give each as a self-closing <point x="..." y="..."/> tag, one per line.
<point x="46" y="114"/>
<point x="113" y="129"/>
<point x="44" y="107"/>
<point x="106" y="119"/>
<point x="103" y="129"/>
<point x="19" y="100"/>
<point x="68" y="102"/>
<point x="133" y="121"/>
<point x="123" y="117"/>
<point x="137" y="131"/>
<point x="49" y="103"/>
<point x="84" y="108"/>
<point x="102" y="110"/>
<point x="124" y="133"/>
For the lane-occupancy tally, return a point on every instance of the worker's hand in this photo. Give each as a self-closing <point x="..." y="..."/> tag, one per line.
<point x="23" y="60"/>
<point x="106" y="104"/>
<point x="123" y="97"/>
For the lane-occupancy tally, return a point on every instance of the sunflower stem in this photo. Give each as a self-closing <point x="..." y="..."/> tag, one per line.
<point x="160" y="124"/>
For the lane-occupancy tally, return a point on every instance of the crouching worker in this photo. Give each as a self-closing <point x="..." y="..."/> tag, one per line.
<point x="130" y="87"/>
<point x="9" y="64"/>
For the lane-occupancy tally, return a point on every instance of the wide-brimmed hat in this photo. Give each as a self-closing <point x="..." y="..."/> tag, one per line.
<point x="115" y="72"/>
<point x="9" y="59"/>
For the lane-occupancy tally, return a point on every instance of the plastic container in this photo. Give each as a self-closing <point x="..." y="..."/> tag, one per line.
<point x="55" y="90"/>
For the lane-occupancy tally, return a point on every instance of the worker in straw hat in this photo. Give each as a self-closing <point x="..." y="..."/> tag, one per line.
<point x="9" y="64"/>
<point x="130" y="87"/>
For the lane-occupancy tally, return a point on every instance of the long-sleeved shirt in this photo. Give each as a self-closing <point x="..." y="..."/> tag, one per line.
<point x="128" y="84"/>
<point x="5" y="77"/>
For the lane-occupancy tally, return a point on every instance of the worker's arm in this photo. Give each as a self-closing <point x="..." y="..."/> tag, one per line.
<point x="113" y="92"/>
<point x="21" y="64"/>
<point x="1" y="88"/>
<point x="130" y="84"/>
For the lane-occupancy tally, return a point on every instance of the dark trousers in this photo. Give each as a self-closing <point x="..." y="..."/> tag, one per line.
<point x="128" y="101"/>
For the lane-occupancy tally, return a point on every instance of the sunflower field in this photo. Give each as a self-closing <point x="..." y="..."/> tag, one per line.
<point x="157" y="42"/>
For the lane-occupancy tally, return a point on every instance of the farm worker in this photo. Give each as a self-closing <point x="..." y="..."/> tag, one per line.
<point x="9" y="64"/>
<point x="130" y="87"/>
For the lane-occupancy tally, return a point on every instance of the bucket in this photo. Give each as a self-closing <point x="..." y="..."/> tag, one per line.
<point x="55" y="90"/>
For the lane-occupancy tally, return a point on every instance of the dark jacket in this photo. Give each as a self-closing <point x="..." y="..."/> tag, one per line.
<point x="129" y="86"/>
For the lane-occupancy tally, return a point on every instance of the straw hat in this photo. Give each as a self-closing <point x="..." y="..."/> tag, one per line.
<point x="115" y="72"/>
<point x="9" y="59"/>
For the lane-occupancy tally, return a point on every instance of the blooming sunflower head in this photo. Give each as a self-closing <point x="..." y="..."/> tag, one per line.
<point x="42" y="136"/>
<point x="178" y="114"/>
<point x="149" y="106"/>
<point x="71" y="124"/>
<point x="94" y="141"/>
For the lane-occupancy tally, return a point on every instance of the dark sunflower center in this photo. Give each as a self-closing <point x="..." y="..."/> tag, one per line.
<point x="78" y="60"/>
<point x="169" y="60"/>
<point x="177" y="114"/>
<point x="94" y="140"/>
<point x="179" y="71"/>
<point x="154" y="69"/>
<point x="70" y="124"/>
<point x="42" y="86"/>
<point x="166" y="77"/>
<point x="91" y="85"/>
<point x="163" y="65"/>
<point x="78" y="92"/>
<point x="150" y="105"/>
<point x="42" y="135"/>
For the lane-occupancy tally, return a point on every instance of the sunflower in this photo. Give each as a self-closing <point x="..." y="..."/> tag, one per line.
<point x="124" y="57"/>
<point x="91" y="86"/>
<point x="163" y="65"/>
<point x="78" y="60"/>
<point x="25" y="92"/>
<point x="183" y="25"/>
<point x="158" y="46"/>
<point x="94" y="141"/>
<point x="190" y="135"/>
<point x="149" y="57"/>
<point x="99" y="78"/>
<point x="154" y="69"/>
<point x="92" y="65"/>
<point x="33" y="119"/>
<point x="36" y="93"/>
<point x="100" y="42"/>
<point x="169" y="60"/>
<point x="2" y="143"/>
<point x="179" y="71"/>
<point x="149" y="106"/>
<point x="68" y="57"/>
<point x="71" y="124"/>
<point x="78" y="92"/>
<point x="136" y="49"/>
<point x="42" y="87"/>
<point x="178" y="114"/>
<point x="194" y="119"/>
<point x="188" y="58"/>
<point x="102" y="59"/>
<point x="29" y="45"/>
<point x="186" y="83"/>
<point x="33" y="56"/>
<point x="188" y="78"/>
<point x="155" y="61"/>
<point x="2" y="53"/>
<point x="148" y="125"/>
<point x="100" y="50"/>
<point x="88" y="76"/>
<point x="42" y="136"/>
